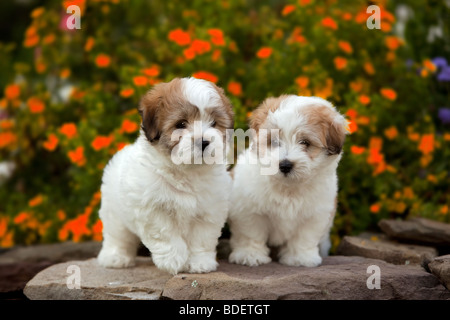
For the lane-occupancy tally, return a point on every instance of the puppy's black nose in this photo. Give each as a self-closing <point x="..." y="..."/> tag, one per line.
<point x="204" y="144"/>
<point x="286" y="166"/>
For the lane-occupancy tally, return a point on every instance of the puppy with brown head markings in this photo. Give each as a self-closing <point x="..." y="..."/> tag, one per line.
<point x="293" y="206"/>
<point x="170" y="189"/>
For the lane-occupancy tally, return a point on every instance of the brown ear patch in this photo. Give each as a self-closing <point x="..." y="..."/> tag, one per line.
<point x="227" y="106"/>
<point x="259" y="115"/>
<point x="329" y="124"/>
<point x="155" y="104"/>
<point x="148" y="109"/>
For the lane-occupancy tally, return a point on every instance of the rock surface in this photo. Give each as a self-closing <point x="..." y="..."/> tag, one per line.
<point x="417" y="230"/>
<point x="389" y="251"/>
<point x="20" y="264"/>
<point x="440" y="267"/>
<point x="339" y="277"/>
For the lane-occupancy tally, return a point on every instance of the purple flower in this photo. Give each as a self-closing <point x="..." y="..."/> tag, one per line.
<point x="409" y="63"/>
<point x="439" y="62"/>
<point x="444" y="115"/>
<point x="444" y="75"/>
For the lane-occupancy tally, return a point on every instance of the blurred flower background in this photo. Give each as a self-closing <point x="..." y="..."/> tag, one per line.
<point x="69" y="97"/>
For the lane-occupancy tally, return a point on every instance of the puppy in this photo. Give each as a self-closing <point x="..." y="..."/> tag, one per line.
<point x="176" y="208"/>
<point x="292" y="207"/>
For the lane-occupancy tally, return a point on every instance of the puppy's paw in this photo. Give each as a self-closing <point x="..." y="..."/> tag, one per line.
<point x="306" y="258"/>
<point x="174" y="260"/>
<point x="249" y="257"/>
<point x="202" y="263"/>
<point x="115" y="260"/>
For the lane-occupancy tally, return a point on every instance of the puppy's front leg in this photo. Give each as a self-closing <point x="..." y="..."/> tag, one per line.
<point x="303" y="248"/>
<point x="249" y="234"/>
<point x="168" y="249"/>
<point x="202" y="243"/>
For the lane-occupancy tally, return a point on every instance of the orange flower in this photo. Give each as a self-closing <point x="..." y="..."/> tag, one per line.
<point x="7" y="138"/>
<point x="102" y="60"/>
<point x="235" y="88"/>
<point x="328" y="22"/>
<point x="200" y="46"/>
<point x="375" y="208"/>
<point x="302" y="81"/>
<point x="3" y="226"/>
<point x="264" y="52"/>
<point x="69" y="130"/>
<point x="126" y="93"/>
<point x="101" y="142"/>
<point x="61" y="215"/>
<point x="357" y="150"/>
<point x="12" y="91"/>
<point x="364" y="99"/>
<point x="89" y="44"/>
<point x="51" y="143"/>
<point x="36" y="13"/>
<point x="352" y="126"/>
<point x="391" y="133"/>
<point x="6" y="124"/>
<point x="180" y="37"/>
<point x="77" y="226"/>
<point x="140" y="81"/>
<point x="48" y="39"/>
<point x="121" y="145"/>
<point x="287" y="9"/>
<point x="426" y="144"/>
<point x="345" y="46"/>
<point x="388" y="93"/>
<point x="21" y="217"/>
<point x="346" y="16"/>
<point x="77" y="156"/>
<point x="36" y="105"/>
<point x="153" y="71"/>
<point x="97" y="229"/>
<point x="304" y="2"/>
<point x="368" y="67"/>
<point x="35" y="201"/>
<point x="297" y="36"/>
<point x="31" y="40"/>
<point x="128" y="126"/>
<point x="356" y="86"/>
<point x="392" y="42"/>
<point x="340" y="63"/>
<point x="216" y="55"/>
<point x="40" y="66"/>
<point x="428" y="64"/>
<point x="216" y="37"/>
<point x="189" y="53"/>
<point x="206" y="76"/>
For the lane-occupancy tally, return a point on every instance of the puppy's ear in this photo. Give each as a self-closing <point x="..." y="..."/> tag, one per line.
<point x="227" y="104"/>
<point x="259" y="115"/>
<point x="336" y="135"/>
<point x="148" y="109"/>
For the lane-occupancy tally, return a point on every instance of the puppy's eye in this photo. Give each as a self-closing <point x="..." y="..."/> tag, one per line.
<point x="181" y="124"/>
<point x="213" y="124"/>
<point x="305" y="143"/>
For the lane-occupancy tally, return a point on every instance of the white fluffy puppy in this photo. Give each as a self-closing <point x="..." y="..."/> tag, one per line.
<point x="176" y="209"/>
<point x="294" y="206"/>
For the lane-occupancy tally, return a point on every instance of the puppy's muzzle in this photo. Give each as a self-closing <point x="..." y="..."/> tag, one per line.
<point x="286" y="166"/>
<point x="204" y="144"/>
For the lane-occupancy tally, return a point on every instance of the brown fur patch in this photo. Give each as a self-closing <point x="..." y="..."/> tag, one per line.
<point x="260" y="114"/>
<point x="330" y="128"/>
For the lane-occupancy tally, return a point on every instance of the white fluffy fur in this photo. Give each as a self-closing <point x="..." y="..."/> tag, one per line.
<point x="294" y="213"/>
<point x="177" y="211"/>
